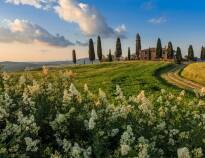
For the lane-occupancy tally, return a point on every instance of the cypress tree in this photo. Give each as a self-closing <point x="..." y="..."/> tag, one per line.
<point x="91" y="51"/>
<point x="118" y="51"/>
<point x="138" y="45"/>
<point x="149" y="54"/>
<point x="170" y="51"/>
<point x="202" y="53"/>
<point x="190" y="53"/>
<point x="110" y="56"/>
<point x="99" y="48"/>
<point x="74" y="56"/>
<point x="129" y="54"/>
<point x="178" y="56"/>
<point x="159" y="49"/>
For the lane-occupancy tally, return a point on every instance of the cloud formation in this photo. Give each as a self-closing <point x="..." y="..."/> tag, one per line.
<point x="90" y="21"/>
<point x="40" y="4"/>
<point x="159" y="20"/>
<point x="26" y="32"/>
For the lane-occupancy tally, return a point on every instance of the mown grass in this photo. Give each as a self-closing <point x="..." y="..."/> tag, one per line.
<point x="195" y="72"/>
<point x="132" y="77"/>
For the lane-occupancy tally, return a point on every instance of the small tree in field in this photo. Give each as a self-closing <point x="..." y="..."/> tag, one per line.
<point x="178" y="56"/>
<point x="202" y="53"/>
<point x="91" y="51"/>
<point x="190" y="53"/>
<point x="99" y="49"/>
<point x="110" y="56"/>
<point x="74" y="56"/>
<point x="129" y="54"/>
<point x="118" y="51"/>
<point x="170" y="51"/>
<point x="159" y="49"/>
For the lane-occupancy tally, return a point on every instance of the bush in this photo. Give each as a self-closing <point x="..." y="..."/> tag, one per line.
<point x="51" y="118"/>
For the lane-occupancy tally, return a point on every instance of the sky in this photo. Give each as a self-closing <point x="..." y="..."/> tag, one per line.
<point x="48" y="30"/>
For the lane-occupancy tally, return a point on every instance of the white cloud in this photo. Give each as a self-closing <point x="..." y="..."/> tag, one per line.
<point x="159" y="20"/>
<point x="40" y="4"/>
<point x="90" y="21"/>
<point x="26" y="32"/>
<point x="148" y="5"/>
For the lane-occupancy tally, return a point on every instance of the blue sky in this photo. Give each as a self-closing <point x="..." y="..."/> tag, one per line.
<point x="178" y="21"/>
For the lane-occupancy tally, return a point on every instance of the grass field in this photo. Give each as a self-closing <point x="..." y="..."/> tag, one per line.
<point x="195" y="72"/>
<point x="132" y="77"/>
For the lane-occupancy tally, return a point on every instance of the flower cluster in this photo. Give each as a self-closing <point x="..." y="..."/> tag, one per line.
<point x="45" y="115"/>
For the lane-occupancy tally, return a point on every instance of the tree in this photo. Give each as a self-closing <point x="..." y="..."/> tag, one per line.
<point x="110" y="56"/>
<point x="178" y="56"/>
<point x="190" y="53"/>
<point x="99" y="48"/>
<point x="138" y="45"/>
<point x="202" y="53"/>
<point x="149" y="54"/>
<point x="91" y="51"/>
<point x="170" y="51"/>
<point x="129" y="54"/>
<point x="118" y="51"/>
<point x="74" y="57"/>
<point x="159" y="49"/>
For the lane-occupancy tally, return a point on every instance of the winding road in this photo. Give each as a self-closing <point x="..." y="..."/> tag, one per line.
<point x="173" y="77"/>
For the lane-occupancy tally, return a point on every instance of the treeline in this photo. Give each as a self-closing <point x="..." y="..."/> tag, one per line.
<point x="172" y="54"/>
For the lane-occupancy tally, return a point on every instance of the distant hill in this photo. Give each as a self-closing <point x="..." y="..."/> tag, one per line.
<point x="19" y="66"/>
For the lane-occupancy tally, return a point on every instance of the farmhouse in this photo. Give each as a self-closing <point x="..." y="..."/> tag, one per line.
<point x="150" y="54"/>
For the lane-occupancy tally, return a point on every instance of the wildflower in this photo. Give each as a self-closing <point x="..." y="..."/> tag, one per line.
<point x="143" y="148"/>
<point x="5" y="76"/>
<point x="114" y="132"/>
<point x="22" y="80"/>
<point x="124" y="149"/>
<point x="31" y="144"/>
<point x="76" y="151"/>
<point x="163" y="91"/>
<point x="34" y="88"/>
<point x="74" y="92"/>
<point x="69" y="74"/>
<point x="182" y="93"/>
<point x="45" y="70"/>
<point x="197" y="152"/>
<point x="91" y="123"/>
<point x="183" y="153"/>
<point x="66" y="145"/>
<point x="126" y="140"/>
<point x="86" y="89"/>
<point x="119" y="93"/>
<point x="102" y="96"/>
<point x="56" y="155"/>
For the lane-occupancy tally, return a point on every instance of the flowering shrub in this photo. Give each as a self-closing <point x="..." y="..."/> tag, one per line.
<point x="49" y="117"/>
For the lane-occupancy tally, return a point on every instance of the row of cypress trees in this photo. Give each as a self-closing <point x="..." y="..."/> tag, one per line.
<point x="118" y="51"/>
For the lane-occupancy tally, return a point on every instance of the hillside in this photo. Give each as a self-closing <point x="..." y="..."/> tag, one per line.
<point x="195" y="72"/>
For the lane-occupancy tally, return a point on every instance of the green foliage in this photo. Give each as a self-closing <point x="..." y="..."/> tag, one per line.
<point x="91" y="50"/>
<point x="170" y="51"/>
<point x="202" y="53"/>
<point x="74" y="57"/>
<point x="44" y="115"/>
<point x="178" y="56"/>
<point x="138" y="45"/>
<point x="118" y="51"/>
<point x="191" y="53"/>
<point x="129" y="54"/>
<point x="110" y="56"/>
<point x="159" y="49"/>
<point x="99" y="48"/>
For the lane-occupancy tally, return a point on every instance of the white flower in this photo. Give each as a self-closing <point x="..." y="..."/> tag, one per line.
<point x="183" y="153"/>
<point x="31" y="144"/>
<point x="114" y="132"/>
<point x="124" y="149"/>
<point x="198" y="153"/>
<point x="91" y="123"/>
<point x="22" y="80"/>
<point x="74" y="92"/>
<point x="66" y="145"/>
<point x="126" y="140"/>
<point x="76" y="151"/>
